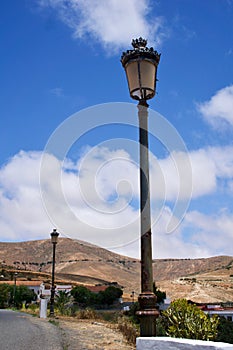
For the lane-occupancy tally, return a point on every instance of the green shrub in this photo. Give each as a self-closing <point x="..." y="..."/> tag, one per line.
<point x="183" y="320"/>
<point x="81" y="295"/>
<point x="15" y="295"/>
<point x="85" y="297"/>
<point x="4" y="295"/>
<point x="160" y="330"/>
<point x="160" y="296"/>
<point x="132" y="313"/>
<point x="62" y="303"/>
<point x="225" y="331"/>
<point x="33" y="307"/>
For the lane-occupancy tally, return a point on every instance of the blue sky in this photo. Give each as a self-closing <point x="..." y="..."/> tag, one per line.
<point x="59" y="59"/>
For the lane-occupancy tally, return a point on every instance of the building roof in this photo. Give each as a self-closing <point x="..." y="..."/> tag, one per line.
<point x="23" y="283"/>
<point x="215" y="308"/>
<point x="97" y="289"/>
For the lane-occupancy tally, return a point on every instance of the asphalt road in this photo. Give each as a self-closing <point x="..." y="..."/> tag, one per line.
<point x="19" y="331"/>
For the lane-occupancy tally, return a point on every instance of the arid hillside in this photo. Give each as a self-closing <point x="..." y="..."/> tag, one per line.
<point x="75" y="261"/>
<point x="201" y="280"/>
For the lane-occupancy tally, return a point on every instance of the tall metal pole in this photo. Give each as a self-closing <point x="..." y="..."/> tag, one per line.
<point x="53" y="285"/>
<point x="140" y="65"/>
<point x="147" y="299"/>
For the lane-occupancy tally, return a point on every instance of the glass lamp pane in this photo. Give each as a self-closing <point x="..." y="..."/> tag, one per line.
<point x="54" y="237"/>
<point x="147" y="72"/>
<point x="132" y="75"/>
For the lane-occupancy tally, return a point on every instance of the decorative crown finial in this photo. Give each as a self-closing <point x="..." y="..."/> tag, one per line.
<point x="140" y="50"/>
<point x="138" y="43"/>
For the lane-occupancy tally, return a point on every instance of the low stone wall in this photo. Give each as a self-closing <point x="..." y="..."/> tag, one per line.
<point x="166" y="343"/>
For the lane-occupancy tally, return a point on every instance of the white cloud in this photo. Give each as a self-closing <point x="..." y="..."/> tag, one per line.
<point x="110" y="22"/>
<point x="89" y="209"/>
<point x="219" y="109"/>
<point x="96" y="199"/>
<point x="107" y="175"/>
<point x="93" y="200"/>
<point x="163" y="245"/>
<point x="208" y="165"/>
<point x="214" y="233"/>
<point x="172" y="177"/>
<point x="212" y="169"/>
<point x="22" y="215"/>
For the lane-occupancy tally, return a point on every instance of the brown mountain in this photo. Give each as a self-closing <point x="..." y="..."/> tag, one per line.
<point x="201" y="280"/>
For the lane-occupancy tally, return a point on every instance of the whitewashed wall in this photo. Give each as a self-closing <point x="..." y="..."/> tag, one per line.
<point x="166" y="343"/>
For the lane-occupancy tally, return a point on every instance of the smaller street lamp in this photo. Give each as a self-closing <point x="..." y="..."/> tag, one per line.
<point x="132" y="295"/>
<point x="54" y="237"/>
<point x="15" y="276"/>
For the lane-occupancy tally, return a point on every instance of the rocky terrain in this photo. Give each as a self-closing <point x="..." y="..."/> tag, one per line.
<point x="201" y="280"/>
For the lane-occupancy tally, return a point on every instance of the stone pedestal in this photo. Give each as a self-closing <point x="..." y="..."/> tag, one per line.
<point x="43" y="308"/>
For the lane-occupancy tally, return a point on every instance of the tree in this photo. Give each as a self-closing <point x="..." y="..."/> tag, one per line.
<point x="183" y="320"/>
<point x="26" y="294"/>
<point x="12" y="294"/>
<point x="84" y="296"/>
<point x="225" y="331"/>
<point x="132" y="313"/>
<point x="4" y="295"/>
<point x="110" y="295"/>
<point x="160" y="295"/>
<point x="81" y="295"/>
<point x="21" y="294"/>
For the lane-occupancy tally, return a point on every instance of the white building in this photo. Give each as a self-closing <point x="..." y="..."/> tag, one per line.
<point x="45" y="289"/>
<point x="219" y="310"/>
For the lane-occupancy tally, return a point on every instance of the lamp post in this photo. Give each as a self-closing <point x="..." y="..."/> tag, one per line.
<point x="54" y="237"/>
<point x="140" y="65"/>
<point x="132" y="295"/>
<point x="15" y="276"/>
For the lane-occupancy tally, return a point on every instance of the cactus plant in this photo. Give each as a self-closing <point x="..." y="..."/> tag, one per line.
<point x="184" y="320"/>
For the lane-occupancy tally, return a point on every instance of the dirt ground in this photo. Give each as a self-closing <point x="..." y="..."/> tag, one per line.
<point x="87" y="335"/>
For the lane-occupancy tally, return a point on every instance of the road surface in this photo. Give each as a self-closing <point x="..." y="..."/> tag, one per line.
<point x="19" y="331"/>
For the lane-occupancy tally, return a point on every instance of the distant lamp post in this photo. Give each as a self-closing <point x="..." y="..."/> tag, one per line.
<point x="54" y="237"/>
<point x="132" y="295"/>
<point x="15" y="277"/>
<point x="140" y="65"/>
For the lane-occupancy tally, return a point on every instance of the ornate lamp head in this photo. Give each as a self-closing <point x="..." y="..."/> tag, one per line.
<point x="140" y="65"/>
<point x="54" y="236"/>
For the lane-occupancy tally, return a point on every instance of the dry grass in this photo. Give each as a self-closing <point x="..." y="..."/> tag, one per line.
<point x="32" y="310"/>
<point x="128" y="329"/>
<point x="87" y="314"/>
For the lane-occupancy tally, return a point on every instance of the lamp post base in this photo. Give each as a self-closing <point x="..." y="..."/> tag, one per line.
<point x="51" y="314"/>
<point x="148" y="314"/>
<point x="52" y="301"/>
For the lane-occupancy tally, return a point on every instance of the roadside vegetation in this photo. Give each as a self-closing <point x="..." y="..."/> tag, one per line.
<point x="184" y="320"/>
<point x="85" y="298"/>
<point x="15" y="296"/>
<point x="180" y="320"/>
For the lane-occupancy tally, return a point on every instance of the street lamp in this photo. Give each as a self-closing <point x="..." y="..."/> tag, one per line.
<point x="54" y="236"/>
<point x="132" y="295"/>
<point x="15" y="276"/>
<point x="140" y="65"/>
